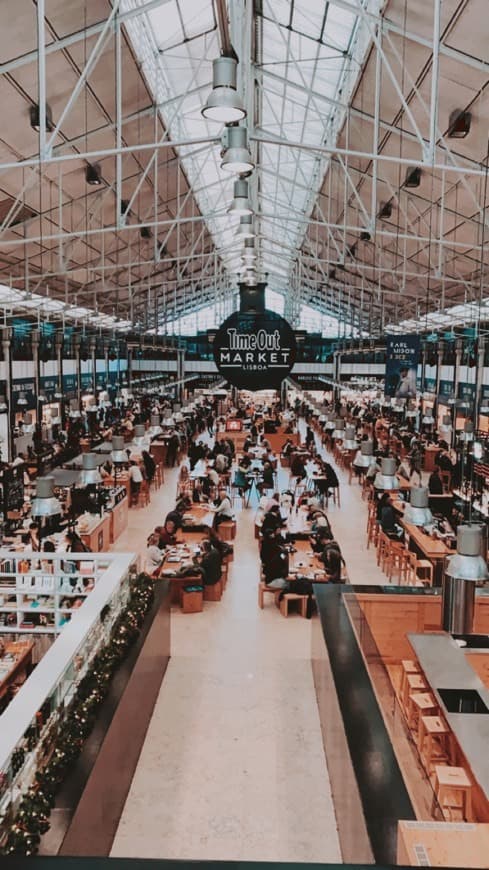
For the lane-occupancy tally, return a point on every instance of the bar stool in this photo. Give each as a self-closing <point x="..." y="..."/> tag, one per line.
<point x="412" y="683"/>
<point x="420" y="704"/>
<point x="408" y="666"/>
<point x="453" y="792"/>
<point x="434" y="741"/>
<point x="382" y="547"/>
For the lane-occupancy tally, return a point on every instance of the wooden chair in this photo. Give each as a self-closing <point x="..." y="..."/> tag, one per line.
<point x="397" y="562"/>
<point x="423" y="566"/>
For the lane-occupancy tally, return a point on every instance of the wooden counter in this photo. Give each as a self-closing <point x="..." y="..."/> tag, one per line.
<point x="119" y="519"/>
<point x="22" y="650"/>
<point x="444" y="844"/>
<point x="392" y="617"/>
<point x="430" y="548"/>
<point x="97" y="538"/>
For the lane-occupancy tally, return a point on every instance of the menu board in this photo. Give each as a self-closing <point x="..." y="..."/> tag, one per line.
<point x="13" y="489"/>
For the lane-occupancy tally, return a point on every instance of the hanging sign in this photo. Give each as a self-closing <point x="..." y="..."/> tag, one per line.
<point x="402" y="355"/>
<point x="255" y="351"/>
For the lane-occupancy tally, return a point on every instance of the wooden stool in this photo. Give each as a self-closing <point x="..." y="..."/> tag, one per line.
<point x="420" y="704"/>
<point x="453" y="792"/>
<point x="434" y="741"/>
<point x="408" y="666"/>
<point x="290" y="597"/>
<point x="214" y="592"/>
<point x="192" y="601"/>
<point x="396" y="561"/>
<point x="423" y="565"/>
<point x="227" y="530"/>
<point x="412" y="683"/>
<point x="264" y="589"/>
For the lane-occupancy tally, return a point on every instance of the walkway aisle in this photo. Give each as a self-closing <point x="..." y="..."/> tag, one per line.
<point x="349" y="524"/>
<point x="233" y="765"/>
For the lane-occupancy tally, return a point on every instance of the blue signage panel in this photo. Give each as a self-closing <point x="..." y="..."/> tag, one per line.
<point x="402" y="357"/>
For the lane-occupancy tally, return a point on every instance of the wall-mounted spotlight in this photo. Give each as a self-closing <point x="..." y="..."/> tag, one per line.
<point x="385" y="210"/>
<point x="459" y="124"/>
<point x="35" y="118"/>
<point x="92" y="174"/>
<point x="413" y="176"/>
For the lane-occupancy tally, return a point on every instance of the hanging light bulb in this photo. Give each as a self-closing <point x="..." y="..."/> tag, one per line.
<point x="224" y="103"/>
<point x="237" y="157"/>
<point x="240" y="204"/>
<point x="22" y="401"/>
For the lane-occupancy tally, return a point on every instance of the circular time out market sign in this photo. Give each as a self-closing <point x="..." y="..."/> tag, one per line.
<point x="255" y="351"/>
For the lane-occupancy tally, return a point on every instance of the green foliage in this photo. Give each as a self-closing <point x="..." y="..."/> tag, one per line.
<point x="32" y="818"/>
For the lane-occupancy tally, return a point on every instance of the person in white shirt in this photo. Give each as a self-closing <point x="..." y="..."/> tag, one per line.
<point x="154" y="556"/>
<point x="224" y="510"/>
<point x="135" y="477"/>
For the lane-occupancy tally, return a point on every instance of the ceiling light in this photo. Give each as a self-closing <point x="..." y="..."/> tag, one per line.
<point x="35" y="118"/>
<point x="92" y="174"/>
<point x="468" y="563"/>
<point x="240" y="204"/>
<point x="3" y="404"/>
<point x="45" y="504"/>
<point x="42" y="398"/>
<point x="89" y="473"/>
<point x="22" y="401"/>
<point x="245" y="229"/>
<point x="224" y="103"/>
<point x="386" y="478"/>
<point x="413" y="177"/>
<point x="459" y="124"/>
<point x="417" y="512"/>
<point x="237" y="157"/>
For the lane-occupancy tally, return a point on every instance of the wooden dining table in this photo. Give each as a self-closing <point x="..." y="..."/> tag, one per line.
<point x="176" y="558"/>
<point x="430" y="548"/>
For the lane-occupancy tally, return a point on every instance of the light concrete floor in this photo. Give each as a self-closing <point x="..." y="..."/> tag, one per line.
<point x="233" y="766"/>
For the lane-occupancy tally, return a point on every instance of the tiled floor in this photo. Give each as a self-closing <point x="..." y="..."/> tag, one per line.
<point x="233" y="764"/>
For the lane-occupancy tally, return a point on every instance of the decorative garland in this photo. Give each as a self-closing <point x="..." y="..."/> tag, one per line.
<point x="32" y="819"/>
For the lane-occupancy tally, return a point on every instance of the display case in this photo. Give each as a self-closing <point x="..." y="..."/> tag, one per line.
<point x="32" y="721"/>
<point x="39" y="593"/>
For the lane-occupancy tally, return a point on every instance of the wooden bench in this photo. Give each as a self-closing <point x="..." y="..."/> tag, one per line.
<point x="263" y="589"/>
<point x="214" y="592"/>
<point x="192" y="602"/>
<point x="290" y="598"/>
<point x="227" y="530"/>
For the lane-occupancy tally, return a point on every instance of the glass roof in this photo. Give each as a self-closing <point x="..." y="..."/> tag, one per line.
<point x="308" y="53"/>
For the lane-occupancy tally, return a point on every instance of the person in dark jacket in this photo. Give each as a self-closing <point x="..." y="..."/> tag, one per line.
<point x="332" y="560"/>
<point x="210" y="563"/>
<point x="435" y="483"/>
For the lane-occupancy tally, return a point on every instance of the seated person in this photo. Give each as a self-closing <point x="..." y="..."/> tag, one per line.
<point x="154" y="556"/>
<point x="210" y="563"/>
<point x="223" y="510"/>
<point x="332" y="560"/>
<point x="388" y="520"/>
<point x="435" y="483"/>
<point x="166" y="533"/>
<point x="267" y="476"/>
<point x="320" y="539"/>
<point x="272" y="519"/>
<point x="274" y="559"/>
